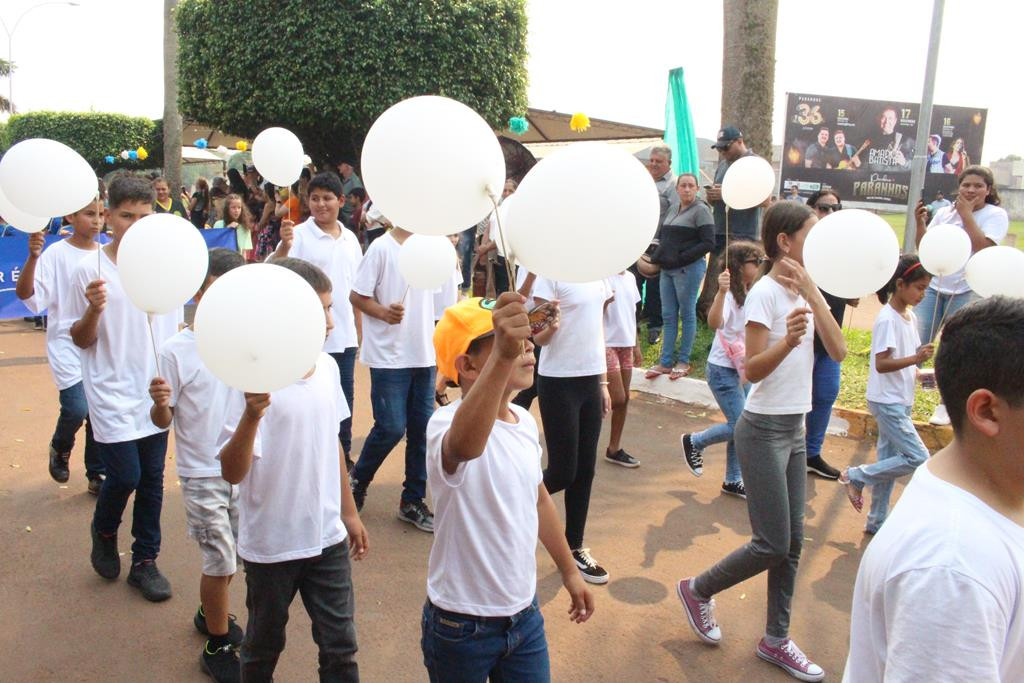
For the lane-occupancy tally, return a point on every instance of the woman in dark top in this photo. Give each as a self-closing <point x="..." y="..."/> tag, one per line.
<point x="199" y="204"/>
<point x="685" y="238"/>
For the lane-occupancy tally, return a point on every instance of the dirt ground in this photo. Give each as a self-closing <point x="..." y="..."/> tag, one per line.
<point x="59" y="621"/>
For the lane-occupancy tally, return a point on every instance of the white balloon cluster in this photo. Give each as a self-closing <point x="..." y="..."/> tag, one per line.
<point x="40" y="179"/>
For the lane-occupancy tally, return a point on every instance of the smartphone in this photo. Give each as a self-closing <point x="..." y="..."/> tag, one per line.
<point x="541" y="317"/>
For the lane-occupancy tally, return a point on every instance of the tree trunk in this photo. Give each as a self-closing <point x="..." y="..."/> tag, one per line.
<point x="172" y="119"/>
<point x="748" y="70"/>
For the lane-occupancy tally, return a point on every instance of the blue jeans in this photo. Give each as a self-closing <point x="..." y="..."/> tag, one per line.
<point x="73" y="410"/>
<point x="346" y="361"/>
<point x="133" y="466"/>
<point x="900" y="452"/>
<point x="679" y="290"/>
<point x="459" y="648"/>
<point x="403" y="401"/>
<point x="824" y="390"/>
<point x="467" y="246"/>
<point x="928" y="317"/>
<point x="731" y="395"/>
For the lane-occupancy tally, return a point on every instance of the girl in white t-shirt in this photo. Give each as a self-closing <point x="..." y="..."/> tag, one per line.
<point x="725" y="363"/>
<point x="782" y="312"/>
<point x="896" y="351"/>
<point x="622" y="354"/>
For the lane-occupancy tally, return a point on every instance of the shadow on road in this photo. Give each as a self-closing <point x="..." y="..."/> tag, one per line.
<point x="692" y="519"/>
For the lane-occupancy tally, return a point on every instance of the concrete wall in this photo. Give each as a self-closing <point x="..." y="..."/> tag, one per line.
<point x="1013" y="202"/>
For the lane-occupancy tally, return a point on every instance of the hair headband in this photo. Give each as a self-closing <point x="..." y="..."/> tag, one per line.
<point x="909" y="270"/>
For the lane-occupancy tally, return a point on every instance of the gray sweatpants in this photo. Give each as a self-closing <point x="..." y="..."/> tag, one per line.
<point x="773" y="459"/>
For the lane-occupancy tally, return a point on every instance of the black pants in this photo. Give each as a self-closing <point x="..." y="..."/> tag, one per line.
<point x="325" y="584"/>
<point x="650" y="303"/>
<point x="524" y="399"/>
<point x="570" y="409"/>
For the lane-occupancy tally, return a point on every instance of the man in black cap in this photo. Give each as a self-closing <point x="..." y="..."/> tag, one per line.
<point x="349" y="181"/>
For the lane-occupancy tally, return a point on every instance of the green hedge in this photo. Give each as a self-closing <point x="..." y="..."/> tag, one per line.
<point x="94" y="135"/>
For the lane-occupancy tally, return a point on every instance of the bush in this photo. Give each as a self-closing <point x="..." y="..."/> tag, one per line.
<point x="94" y="135"/>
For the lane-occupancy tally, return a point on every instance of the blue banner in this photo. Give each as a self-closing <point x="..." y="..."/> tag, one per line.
<point x="14" y="249"/>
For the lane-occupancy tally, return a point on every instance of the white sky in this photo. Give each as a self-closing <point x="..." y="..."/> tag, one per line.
<point x="607" y="58"/>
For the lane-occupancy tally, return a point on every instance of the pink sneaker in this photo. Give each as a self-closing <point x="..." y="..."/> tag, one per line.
<point x="700" y="613"/>
<point x="789" y="657"/>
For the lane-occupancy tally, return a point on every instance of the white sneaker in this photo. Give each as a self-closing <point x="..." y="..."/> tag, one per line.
<point x="939" y="417"/>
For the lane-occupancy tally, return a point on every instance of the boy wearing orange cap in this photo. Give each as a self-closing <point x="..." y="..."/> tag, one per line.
<point x="484" y="465"/>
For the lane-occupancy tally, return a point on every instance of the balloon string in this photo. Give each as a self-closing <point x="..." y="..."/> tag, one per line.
<point x="152" y="339"/>
<point x="402" y="300"/>
<point x="501" y="236"/>
<point x="935" y="312"/>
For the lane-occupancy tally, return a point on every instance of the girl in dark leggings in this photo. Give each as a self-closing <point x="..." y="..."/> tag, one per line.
<point x="572" y="388"/>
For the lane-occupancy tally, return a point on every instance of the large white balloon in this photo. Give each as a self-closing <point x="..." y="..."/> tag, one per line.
<point x="277" y="154"/>
<point x="162" y="262"/>
<point x="46" y="178"/>
<point x="748" y="182"/>
<point x="426" y="261"/>
<point x="429" y="163"/>
<point x="14" y="216"/>
<point x="997" y="271"/>
<point x="944" y="249"/>
<point x="851" y="253"/>
<point x="260" y="328"/>
<point x="583" y="213"/>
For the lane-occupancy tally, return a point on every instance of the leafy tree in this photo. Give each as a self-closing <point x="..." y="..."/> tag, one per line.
<point x="94" y="135"/>
<point x="325" y="69"/>
<point x="5" y="70"/>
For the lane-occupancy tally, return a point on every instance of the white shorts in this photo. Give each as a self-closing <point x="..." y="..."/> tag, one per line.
<point x="211" y="510"/>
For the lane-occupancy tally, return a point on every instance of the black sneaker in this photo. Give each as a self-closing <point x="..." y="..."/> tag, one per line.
<point x="418" y="514"/>
<point x="59" y="466"/>
<point x="358" y="492"/>
<point x="734" y="488"/>
<point x="592" y="572"/>
<point x="235" y="632"/>
<point x="818" y="466"/>
<point x="105" y="559"/>
<point x="653" y="336"/>
<point x="694" y="457"/>
<point x="147" y="578"/>
<point x="222" y="664"/>
<point x="95" y="484"/>
<point x="621" y="457"/>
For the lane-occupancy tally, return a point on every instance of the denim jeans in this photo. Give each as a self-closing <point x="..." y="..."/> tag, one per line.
<point x="73" y="410"/>
<point x="459" y="648"/>
<point x="403" y="401"/>
<point x="731" y="395"/>
<point x="325" y="584"/>
<point x="467" y="247"/>
<point x="928" y="317"/>
<point x="679" y="290"/>
<point x="346" y="361"/>
<point x="824" y="390"/>
<point x="133" y="466"/>
<point x="900" y="452"/>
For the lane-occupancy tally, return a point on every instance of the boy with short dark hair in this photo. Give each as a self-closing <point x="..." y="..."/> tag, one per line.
<point x="117" y="364"/>
<point x="297" y="520"/>
<point x="481" y="617"/>
<point x="188" y="394"/>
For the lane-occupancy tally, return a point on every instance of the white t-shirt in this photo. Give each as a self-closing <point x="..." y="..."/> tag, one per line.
<point x="339" y="259"/>
<point x="448" y="295"/>
<point x="483" y="561"/>
<point x="787" y="390"/>
<point x="410" y="344"/>
<point x="289" y="504"/>
<point x="52" y="287"/>
<point x="116" y="370"/>
<point x="200" y="402"/>
<point x="939" y="592"/>
<point x="892" y="331"/>
<point x="577" y="348"/>
<point x="993" y="221"/>
<point x="733" y="329"/>
<point x="620" y="316"/>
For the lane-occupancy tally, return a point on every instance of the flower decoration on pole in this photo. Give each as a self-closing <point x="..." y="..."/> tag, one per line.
<point x="241" y="145"/>
<point x="133" y="155"/>
<point x="579" y="122"/>
<point x="124" y="154"/>
<point x="518" y="125"/>
<point x="142" y="153"/>
<point x="200" y="143"/>
<point x="110" y="158"/>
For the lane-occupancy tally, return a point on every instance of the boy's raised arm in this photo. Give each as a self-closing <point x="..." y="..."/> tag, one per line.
<point x="236" y="455"/>
<point x="27" y="280"/>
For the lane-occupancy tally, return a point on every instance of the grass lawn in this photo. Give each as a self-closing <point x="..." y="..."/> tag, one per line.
<point x="898" y="221"/>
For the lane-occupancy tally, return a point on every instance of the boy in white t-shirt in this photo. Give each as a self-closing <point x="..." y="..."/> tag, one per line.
<point x="45" y="284"/>
<point x="117" y="364"/>
<point x="188" y="394"/>
<point x="297" y="523"/>
<point x="484" y="461"/>
<point x="939" y="595"/>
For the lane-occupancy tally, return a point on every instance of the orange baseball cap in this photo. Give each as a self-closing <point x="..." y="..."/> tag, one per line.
<point x="467" y="320"/>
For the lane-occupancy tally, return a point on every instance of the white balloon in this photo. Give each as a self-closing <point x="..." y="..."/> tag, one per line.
<point x="997" y="271"/>
<point x="583" y="213"/>
<point x="277" y="155"/>
<point x="851" y="253"/>
<point x="944" y="249"/>
<point x="260" y="328"/>
<point x="46" y="178"/>
<point x="162" y="262"/>
<point x="426" y="143"/>
<point x="426" y="261"/>
<point x="18" y="218"/>
<point x="748" y="182"/>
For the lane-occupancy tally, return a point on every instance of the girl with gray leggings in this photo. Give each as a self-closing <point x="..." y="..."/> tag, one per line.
<point x="782" y="311"/>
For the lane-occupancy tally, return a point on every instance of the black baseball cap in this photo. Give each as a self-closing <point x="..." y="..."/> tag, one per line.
<point x="726" y="136"/>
